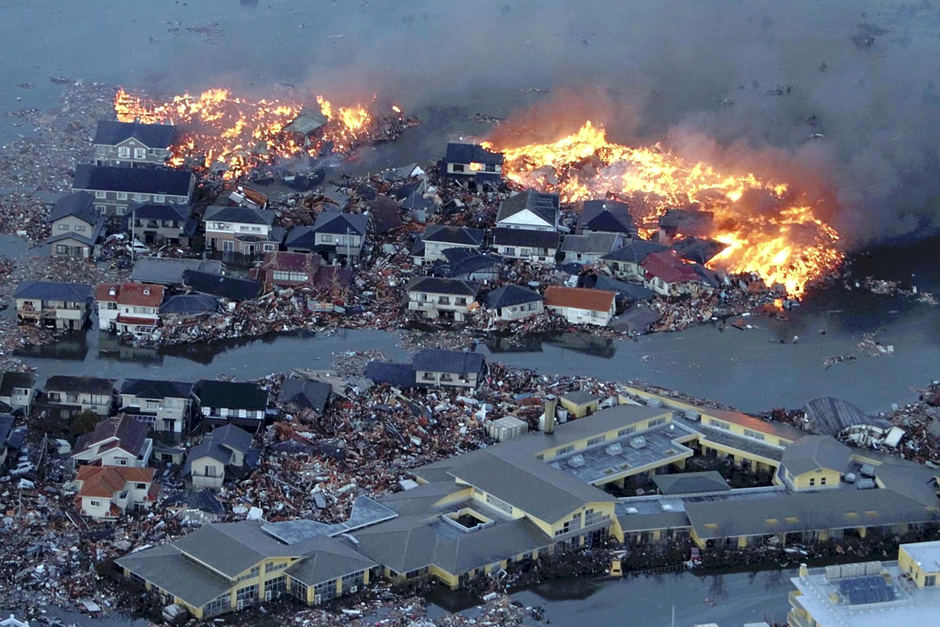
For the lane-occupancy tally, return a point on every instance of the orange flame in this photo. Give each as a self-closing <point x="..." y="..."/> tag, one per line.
<point x="238" y="133"/>
<point x="788" y="245"/>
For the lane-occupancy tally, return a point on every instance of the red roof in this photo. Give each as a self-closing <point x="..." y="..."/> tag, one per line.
<point x="667" y="266"/>
<point x="579" y="298"/>
<point x="139" y="294"/>
<point x="104" y="481"/>
<point x="135" y="320"/>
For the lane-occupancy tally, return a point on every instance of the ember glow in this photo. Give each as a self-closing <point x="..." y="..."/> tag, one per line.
<point x="219" y="128"/>
<point x="783" y="241"/>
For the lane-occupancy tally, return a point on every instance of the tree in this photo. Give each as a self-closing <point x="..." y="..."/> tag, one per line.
<point x="83" y="422"/>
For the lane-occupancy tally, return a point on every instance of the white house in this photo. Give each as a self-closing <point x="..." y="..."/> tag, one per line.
<point x="222" y="449"/>
<point x="514" y="302"/>
<point x="106" y="492"/>
<point x="589" y="248"/>
<point x="129" y="307"/>
<point x="531" y="210"/>
<point x="529" y="245"/>
<point x="116" y="441"/>
<point x="579" y="305"/>
<point x="437" y="238"/>
<point x="221" y="402"/>
<point x="436" y="297"/>
<point x="164" y="405"/>
<point x="247" y="231"/>
<point x="17" y="389"/>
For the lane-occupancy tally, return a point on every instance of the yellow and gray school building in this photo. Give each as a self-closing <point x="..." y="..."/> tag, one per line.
<point x="544" y="492"/>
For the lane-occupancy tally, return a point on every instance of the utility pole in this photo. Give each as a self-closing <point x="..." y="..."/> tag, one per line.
<point x="133" y="231"/>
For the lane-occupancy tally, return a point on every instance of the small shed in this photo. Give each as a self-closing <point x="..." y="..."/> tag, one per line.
<point x="580" y="403"/>
<point x="506" y="428"/>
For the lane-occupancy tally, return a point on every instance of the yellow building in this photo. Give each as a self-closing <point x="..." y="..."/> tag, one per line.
<point x="921" y="562"/>
<point x="580" y="403"/>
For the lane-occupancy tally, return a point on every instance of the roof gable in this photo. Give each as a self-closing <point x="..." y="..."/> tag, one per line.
<point x="151" y="135"/>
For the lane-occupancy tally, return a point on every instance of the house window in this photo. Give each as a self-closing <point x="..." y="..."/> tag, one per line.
<point x="159" y="198"/>
<point x="490" y="167"/>
<point x="812" y="481"/>
<point x="101" y="209"/>
<point x="822" y="481"/>
<point x="124" y="152"/>
<point x="140" y="153"/>
<point x="510" y="251"/>
<point x="596" y="440"/>
<point x="210" y="471"/>
<point x="121" y="461"/>
<point x="298" y="590"/>
<point x="94" y="503"/>
<point x="61" y="249"/>
<point x="930" y="580"/>
<point x="228" y="246"/>
<point x="150" y="404"/>
<point x="268" y="248"/>
<point x="63" y="227"/>
<point x="625" y="431"/>
<point x="120" y="210"/>
<point x="140" y="486"/>
<point x="101" y="194"/>
<point x="564" y="449"/>
<point x="458" y="167"/>
<point x="122" y="195"/>
<point x="79" y="227"/>
<point x="754" y="434"/>
<point x="326" y="238"/>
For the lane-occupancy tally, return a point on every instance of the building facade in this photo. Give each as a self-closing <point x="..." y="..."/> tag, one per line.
<point x="580" y="305"/>
<point x="436" y="298"/>
<point x="116" y="188"/>
<point x="54" y="305"/>
<point x="132" y="144"/>
<point x="129" y="307"/>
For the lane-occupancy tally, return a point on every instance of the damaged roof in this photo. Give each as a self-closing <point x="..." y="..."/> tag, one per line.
<point x="471" y="153"/>
<point x="509" y="295"/>
<point x="305" y="394"/>
<point x="221" y="286"/>
<point x="231" y="394"/>
<point x="439" y="360"/>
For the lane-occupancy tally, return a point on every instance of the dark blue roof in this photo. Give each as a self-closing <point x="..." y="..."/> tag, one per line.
<point x="437" y="285"/>
<point x="6" y="425"/>
<point x="150" y="211"/>
<point x="50" y="290"/>
<point x="698" y="249"/>
<point x="339" y="223"/>
<point x="221" y="286"/>
<point x="155" y="388"/>
<point x="525" y="237"/>
<point x="635" y="251"/>
<point x="509" y="295"/>
<point x="472" y="153"/>
<point x="474" y="263"/>
<point x="439" y="360"/>
<point x="630" y="291"/>
<point x="189" y="304"/>
<point x="245" y="215"/>
<point x="231" y="394"/>
<point x="78" y="204"/>
<point x="306" y="394"/>
<point x="133" y="180"/>
<point x="606" y="215"/>
<point x="399" y="375"/>
<point x="150" y="135"/>
<point x="453" y="235"/>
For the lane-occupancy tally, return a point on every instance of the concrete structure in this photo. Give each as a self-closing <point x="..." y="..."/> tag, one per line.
<point x="921" y="562"/>
<point x="579" y="305"/>
<point x="514" y="302"/>
<point x="17" y="390"/>
<point x="76" y="394"/>
<point x="54" y="305"/>
<point x="117" y="441"/>
<point x="106" y="492"/>
<point x="129" y="307"/>
<point x="506" y="428"/>
<point x="221" y="402"/>
<point x="866" y="594"/>
<point x="132" y="144"/>
<point x="442" y="368"/>
<point x="116" y="188"/>
<point x="531" y="210"/>
<point x="222" y="451"/>
<point x="244" y="231"/>
<point x="447" y="298"/>
<point x="76" y="227"/>
<point x="163" y="405"/>
<point x="471" y="162"/>
<point x="529" y="245"/>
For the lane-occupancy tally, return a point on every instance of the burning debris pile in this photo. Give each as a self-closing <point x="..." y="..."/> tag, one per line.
<point x="783" y="241"/>
<point x="220" y="131"/>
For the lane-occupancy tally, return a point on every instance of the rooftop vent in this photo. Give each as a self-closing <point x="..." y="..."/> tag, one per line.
<point x="576" y="461"/>
<point x="849" y="477"/>
<point x="638" y="442"/>
<point x="614" y="449"/>
<point x="112" y="291"/>
<point x="632" y="510"/>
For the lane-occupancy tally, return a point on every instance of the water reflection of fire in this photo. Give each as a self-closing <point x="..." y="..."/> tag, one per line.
<point x="783" y="241"/>
<point x="240" y="134"/>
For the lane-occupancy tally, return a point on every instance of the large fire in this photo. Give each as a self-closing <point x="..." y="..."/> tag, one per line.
<point x="783" y="241"/>
<point x="219" y="129"/>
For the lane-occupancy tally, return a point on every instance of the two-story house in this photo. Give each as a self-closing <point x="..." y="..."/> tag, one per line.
<point x="76" y="227"/>
<point x="156" y="225"/>
<point x="626" y="262"/>
<point x="471" y="162"/>
<point x="529" y="245"/>
<point x="333" y="235"/>
<point x="129" y="307"/>
<point x="133" y="144"/>
<point x="54" y="305"/>
<point x="286" y="269"/>
<point x="532" y="210"/>
<point x="116" y="188"/>
<point x="437" y="297"/>
<point x="116" y="441"/>
<point x="17" y="390"/>
<point x="75" y="394"/>
<point x="223" y="402"/>
<point x="222" y="452"/>
<point x="589" y="248"/>
<point x="442" y="368"/>
<point x="246" y="231"/>
<point x="514" y="302"/>
<point x="579" y="305"/>
<point x="164" y="405"/>
<point x="437" y="238"/>
<point x="107" y="492"/>
<point x="606" y="216"/>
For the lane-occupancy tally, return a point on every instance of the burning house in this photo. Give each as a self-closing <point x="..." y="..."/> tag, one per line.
<point x="471" y="162"/>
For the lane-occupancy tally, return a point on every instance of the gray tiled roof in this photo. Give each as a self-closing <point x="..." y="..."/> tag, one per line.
<point x="435" y="285"/>
<point x="134" y="180"/>
<point x="690" y="482"/>
<point x="813" y="452"/>
<point x="439" y="360"/>
<point x="330" y="559"/>
<point x="78" y="204"/>
<point x="170" y="271"/>
<point x="166" y="567"/>
<point x="50" y="290"/>
<point x="545" y="206"/>
<point x="509" y="295"/>
<point x="453" y="235"/>
<point x="245" y="215"/>
<point x="151" y="135"/>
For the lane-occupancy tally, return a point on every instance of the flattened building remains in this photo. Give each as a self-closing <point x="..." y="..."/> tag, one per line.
<point x="550" y="491"/>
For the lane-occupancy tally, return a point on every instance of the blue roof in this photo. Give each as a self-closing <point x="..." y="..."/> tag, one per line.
<point x="245" y="215"/>
<point x="133" y="180"/>
<point x="399" y="375"/>
<point x="472" y="153"/>
<point x="189" y="304"/>
<point x="78" y="204"/>
<point x="509" y="295"/>
<point x="439" y="360"/>
<point x="150" y="135"/>
<point x="221" y="286"/>
<point x="50" y="290"/>
<point x="606" y="215"/>
<point x="151" y="211"/>
<point x="635" y="251"/>
<point x="339" y="223"/>
<point x="453" y="235"/>
<point x="301" y="237"/>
